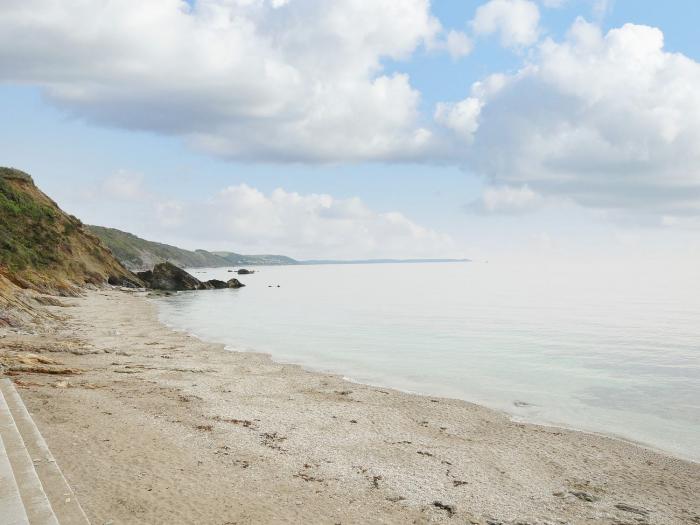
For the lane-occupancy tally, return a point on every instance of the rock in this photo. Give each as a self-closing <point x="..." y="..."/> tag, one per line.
<point x="124" y="282"/>
<point x="584" y="496"/>
<point x="634" y="510"/>
<point x="243" y="271"/>
<point x="215" y="284"/>
<point x="146" y="277"/>
<point x="167" y="276"/>
<point x="450" y="509"/>
<point x="235" y="283"/>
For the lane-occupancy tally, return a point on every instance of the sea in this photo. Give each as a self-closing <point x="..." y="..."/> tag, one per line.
<point x="606" y="350"/>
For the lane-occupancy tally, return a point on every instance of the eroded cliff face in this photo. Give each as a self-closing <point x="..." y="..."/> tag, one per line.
<point x="45" y="249"/>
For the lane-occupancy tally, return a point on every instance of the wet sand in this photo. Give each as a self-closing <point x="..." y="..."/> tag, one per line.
<point x="150" y="425"/>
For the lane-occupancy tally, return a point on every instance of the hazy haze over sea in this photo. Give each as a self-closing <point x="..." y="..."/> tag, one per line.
<point x="606" y="350"/>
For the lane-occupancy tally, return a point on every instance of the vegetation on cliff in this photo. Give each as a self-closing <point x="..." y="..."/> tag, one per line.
<point x="44" y="248"/>
<point x="139" y="254"/>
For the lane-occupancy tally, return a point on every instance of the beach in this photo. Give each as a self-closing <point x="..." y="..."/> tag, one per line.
<point x="150" y="425"/>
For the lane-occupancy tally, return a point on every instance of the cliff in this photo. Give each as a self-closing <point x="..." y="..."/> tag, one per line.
<point x="44" y="249"/>
<point x="139" y="254"/>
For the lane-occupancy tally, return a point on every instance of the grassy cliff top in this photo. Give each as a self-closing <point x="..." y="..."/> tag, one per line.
<point x="139" y="254"/>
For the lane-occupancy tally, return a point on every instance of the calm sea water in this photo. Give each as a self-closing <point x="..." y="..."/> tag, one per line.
<point x="616" y="352"/>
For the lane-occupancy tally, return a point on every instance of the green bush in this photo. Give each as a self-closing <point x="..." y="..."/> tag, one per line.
<point x="26" y="230"/>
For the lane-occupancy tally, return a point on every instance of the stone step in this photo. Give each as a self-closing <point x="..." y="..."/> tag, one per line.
<point x="11" y="506"/>
<point x="62" y="500"/>
<point x="22" y="497"/>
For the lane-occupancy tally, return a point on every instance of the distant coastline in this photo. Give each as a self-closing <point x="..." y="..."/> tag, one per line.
<point x="381" y="261"/>
<point x="140" y="254"/>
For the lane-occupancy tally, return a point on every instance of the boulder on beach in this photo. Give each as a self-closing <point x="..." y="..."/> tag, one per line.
<point x="243" y="271"/>
<point x="235" y="283"/>
<point x="167" y="276"/>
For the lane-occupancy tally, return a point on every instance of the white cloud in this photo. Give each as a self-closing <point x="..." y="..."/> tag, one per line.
<point x="553" y="4"/>
<point x="272" y="80"/>
<point x="507" y="200"/>
<point x="169" y="213"/>
<point x="611" y="121"/>
<point x="310" y="225"/>
<point x="458" y="44"/>
<point x="602" y="8"/>
<point x="687" y="223"/>
<point x="461" y="117"/>
<point x="244" y="219"/>
<point x="516" y="21"/>
<point x="124" y="184"/>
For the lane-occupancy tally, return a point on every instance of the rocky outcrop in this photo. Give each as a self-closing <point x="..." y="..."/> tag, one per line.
<point x="235" y="283"/>
<point x="243" y="271"/>
<point x="166" y="276"/>
<point x="146" y="276"/>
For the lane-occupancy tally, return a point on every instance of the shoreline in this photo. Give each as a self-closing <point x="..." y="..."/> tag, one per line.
<point x="164" y="427"/>
<point x="515" y="418"/>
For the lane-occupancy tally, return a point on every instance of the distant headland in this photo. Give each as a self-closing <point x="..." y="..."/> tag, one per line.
<point x="139" y="254"/>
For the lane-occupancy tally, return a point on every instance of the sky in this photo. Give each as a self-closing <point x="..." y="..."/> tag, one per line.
<point x="487" y="129"/>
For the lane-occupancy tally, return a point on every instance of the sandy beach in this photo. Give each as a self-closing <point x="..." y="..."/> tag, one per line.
<point x="150" y="425"/>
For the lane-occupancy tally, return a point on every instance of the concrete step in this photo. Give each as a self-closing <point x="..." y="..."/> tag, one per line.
<point x="62" y="499"/>
<point x="33" y="507"/>
<point x="11" y="506"/>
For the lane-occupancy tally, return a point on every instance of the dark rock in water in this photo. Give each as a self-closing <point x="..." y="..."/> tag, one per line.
<point x="243" y="271"/>
<point x="215" y="284"/>
<point x="235" y="283"/>
<point x="167" y="276"/>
